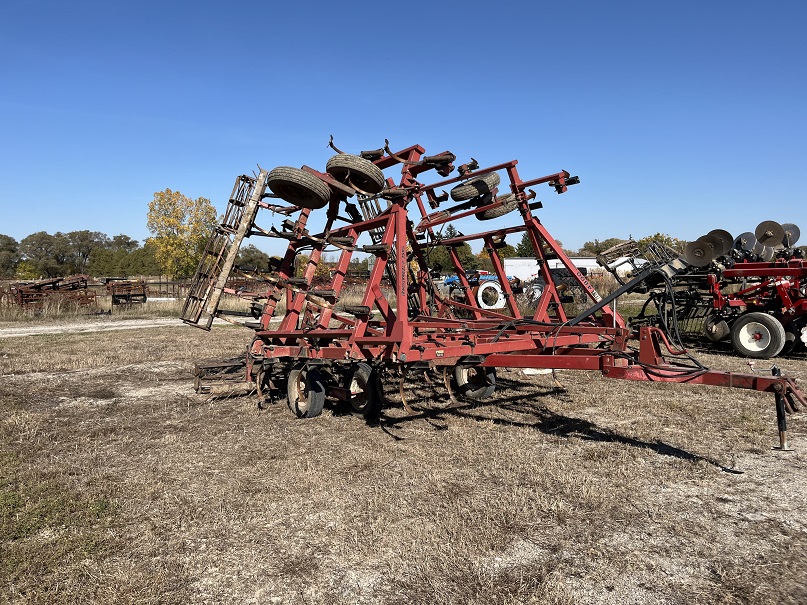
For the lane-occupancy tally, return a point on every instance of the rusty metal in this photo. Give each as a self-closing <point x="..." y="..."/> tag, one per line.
<point x="404" y="321"/>
<point x="72" y="290"/>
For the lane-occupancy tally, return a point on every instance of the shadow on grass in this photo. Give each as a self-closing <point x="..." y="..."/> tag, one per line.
<point x="532" y="414"/>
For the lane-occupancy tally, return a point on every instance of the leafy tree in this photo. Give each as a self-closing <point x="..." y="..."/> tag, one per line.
<point x="597" y="247"/>
<point x="251" y="257"/>
<point x="181" y="227"/>
<point x="9" y="256"/>
<point x="438" y="255"/>
<point x="46" y="255"/>
<point x="123" y="242"/>
<point x="661" y="238"/>
<point x="81" y="246"/>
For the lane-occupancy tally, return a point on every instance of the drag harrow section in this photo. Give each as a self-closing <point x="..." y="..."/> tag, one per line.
<point x="314" y="343"/>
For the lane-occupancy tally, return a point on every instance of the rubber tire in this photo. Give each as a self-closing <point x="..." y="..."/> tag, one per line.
<point x="486" y="285"/>
<point x="368" y="403"/>
<point x="715" y="328"/>
<point x="476" y="187"/>
<point x="355" y="170"/>
<point x="306" y="391"/>
<point x="475" y="382"/>
<point x="298" y="187"/>
<point x="763" y="324"/>
<point x="509" y="203"/>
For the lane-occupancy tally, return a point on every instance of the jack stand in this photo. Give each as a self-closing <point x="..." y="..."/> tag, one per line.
<point x="781" y="417"/>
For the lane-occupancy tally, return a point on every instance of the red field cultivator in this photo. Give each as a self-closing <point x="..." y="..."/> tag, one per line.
<point x="309" y="344"/>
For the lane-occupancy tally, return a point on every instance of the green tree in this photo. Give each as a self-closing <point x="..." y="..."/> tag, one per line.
<point x="438" y="256"/>
<point x="597" y="247"/>
<point x="46" y="255"/>
<point x="251" y="258"/>
<point x="9" y="256"/>
<point x="180" y="227"/>
<point x="123" y="242"/>
<point x="663" y="239"/>
<point x="81" y="245"/>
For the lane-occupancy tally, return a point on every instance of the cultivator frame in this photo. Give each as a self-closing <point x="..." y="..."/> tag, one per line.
<point x="314" y="345"/>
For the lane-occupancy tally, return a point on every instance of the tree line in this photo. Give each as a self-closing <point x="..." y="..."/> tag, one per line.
<point x="180" y="227"/>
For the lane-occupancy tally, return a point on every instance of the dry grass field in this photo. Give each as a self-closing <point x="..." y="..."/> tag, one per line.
<point x="118" y="484"/>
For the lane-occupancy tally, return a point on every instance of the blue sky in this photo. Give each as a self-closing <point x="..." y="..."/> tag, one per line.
<point x="679" y="117"/>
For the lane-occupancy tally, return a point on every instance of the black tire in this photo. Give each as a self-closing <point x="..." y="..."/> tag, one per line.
<point x="757" y="335"/>
<point x="475" y="187"/>
<point x="298" y="187"/>
<point x="306" y="391"/>
<point x="365" y="391"/>
<point x="509" y="203"/>
<point x="475" y="382"/>
<point x="356" y="172"/>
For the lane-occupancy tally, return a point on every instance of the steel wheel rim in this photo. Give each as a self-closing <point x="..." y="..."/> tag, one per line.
<point x="755" y="336"/>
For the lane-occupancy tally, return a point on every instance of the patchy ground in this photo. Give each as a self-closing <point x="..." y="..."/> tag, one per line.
<point x="119" y="484"/>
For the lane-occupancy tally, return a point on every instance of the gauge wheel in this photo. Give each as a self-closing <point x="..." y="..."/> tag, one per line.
<point x="757" y="335"/>
<point x="509" y="203"/>
<point x="306" y="391"/>
<point x="364" y="390"/>
<point x="475" y="187"/>
<point x="475" y="382"/>
<point x="354" y="171"/>
<point x="298" y="187"/>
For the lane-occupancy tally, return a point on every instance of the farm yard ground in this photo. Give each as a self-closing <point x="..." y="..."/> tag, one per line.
<point x="119" y="484"/>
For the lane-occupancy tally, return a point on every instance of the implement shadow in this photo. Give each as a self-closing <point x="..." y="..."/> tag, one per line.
<point x="524" y="409"/>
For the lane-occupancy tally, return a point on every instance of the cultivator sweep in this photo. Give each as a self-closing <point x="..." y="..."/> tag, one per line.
<point x="310" y="343"/>
<point x="751" y="290"/>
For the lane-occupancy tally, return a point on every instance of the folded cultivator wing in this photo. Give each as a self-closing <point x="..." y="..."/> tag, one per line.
<point x="310" y="344"/>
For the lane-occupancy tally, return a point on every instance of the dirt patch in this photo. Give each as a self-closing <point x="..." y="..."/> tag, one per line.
<point x="120" y="484"/>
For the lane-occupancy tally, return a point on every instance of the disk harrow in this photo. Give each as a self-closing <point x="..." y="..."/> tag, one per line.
<point x="311" y="345"/>
<point x="751" y="290"/>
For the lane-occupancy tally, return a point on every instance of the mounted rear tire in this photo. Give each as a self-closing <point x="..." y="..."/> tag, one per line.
<point x="298" y="187"/>
<point x="475" y="382"/>
<point x="356" y="172"/>
<point x="475" y="187"/>
<point x="757" y="335"/>
<point x="306" y="391"/>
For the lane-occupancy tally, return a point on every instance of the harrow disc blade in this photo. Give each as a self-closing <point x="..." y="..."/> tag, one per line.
<point x="770" y="233"/>
<point x="745" y="241"/>
<point x="712" y="242"/>
<point x="726" y="240"/>
<point x="699" y="253"/>
<point x="768" y="254"/>
<point x="792" y="235"/>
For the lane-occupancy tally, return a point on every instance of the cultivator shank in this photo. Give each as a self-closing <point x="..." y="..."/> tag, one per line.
<point x="311" y="341"/>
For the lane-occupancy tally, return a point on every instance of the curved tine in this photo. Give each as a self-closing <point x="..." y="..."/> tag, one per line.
<point x="447" y="382"/>
<point x="392" y="155"/>
<point x="405" y="403"/>
<point x="334" y="147"/>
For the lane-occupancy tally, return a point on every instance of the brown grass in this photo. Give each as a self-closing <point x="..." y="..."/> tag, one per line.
<point x="119" y="484"/>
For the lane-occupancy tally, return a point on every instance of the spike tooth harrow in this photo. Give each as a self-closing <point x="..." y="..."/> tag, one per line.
<point x="316" y="346"/>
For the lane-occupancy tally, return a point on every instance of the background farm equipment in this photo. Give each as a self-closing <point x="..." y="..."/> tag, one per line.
<point x="72" y="290"/>
<point x="750" y="290"/>
<point x="126" y="292"/>
<point x="309" y="344"/>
